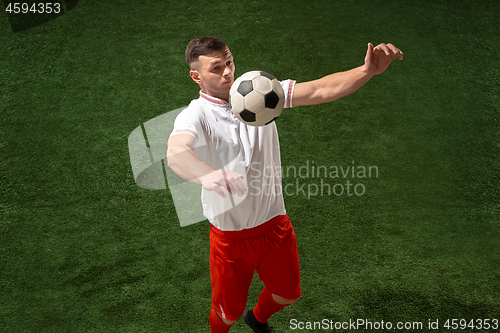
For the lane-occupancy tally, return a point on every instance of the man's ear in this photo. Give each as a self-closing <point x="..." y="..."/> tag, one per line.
<point x="195" y="75"/>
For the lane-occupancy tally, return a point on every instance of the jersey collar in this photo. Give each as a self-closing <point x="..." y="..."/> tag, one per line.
<point x="213" y="100"/>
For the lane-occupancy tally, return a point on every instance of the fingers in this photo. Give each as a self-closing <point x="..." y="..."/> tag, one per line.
<point x="390" y="51"/>
<point x="370" y="48"/>
<point x="240" y="186"/>
<point x="232" y="181"/>
<point x="219" y="191"/>
<point x="369" y="53"/>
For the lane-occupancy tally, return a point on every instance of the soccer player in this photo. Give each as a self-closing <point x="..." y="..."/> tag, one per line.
<point x="255" y="234"/>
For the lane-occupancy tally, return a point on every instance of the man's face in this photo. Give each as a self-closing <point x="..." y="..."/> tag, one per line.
<point x="215" y="74"/>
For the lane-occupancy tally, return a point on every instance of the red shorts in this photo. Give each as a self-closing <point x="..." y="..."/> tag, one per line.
<point x="270" y="249"/>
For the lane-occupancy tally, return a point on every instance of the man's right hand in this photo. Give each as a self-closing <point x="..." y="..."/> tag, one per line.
<point x="232" y="181"/>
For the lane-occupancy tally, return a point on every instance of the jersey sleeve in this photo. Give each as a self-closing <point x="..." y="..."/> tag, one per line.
<point x="288" y="87"/>
<point x="189" y="122"/>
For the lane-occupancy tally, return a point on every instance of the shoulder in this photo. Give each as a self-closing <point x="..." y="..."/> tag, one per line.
<point x="195" y="107"/>
<point x="195" y="111"/>
<point x="190" y="120"/>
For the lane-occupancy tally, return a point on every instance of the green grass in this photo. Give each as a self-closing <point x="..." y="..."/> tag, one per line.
<point x="83" y="249"/>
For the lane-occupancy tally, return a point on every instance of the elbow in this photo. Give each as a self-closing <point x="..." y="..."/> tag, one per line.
<point x="174" y="155"/>
<point x="170" y="159"/>
<point x="169" y="162"/>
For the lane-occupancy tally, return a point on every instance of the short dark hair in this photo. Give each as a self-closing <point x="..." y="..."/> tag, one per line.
<point x="204" y="45"/>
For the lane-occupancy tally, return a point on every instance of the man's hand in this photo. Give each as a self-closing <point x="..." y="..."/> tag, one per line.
<point x="377" y="59"/>
<point x="232" y="181"/>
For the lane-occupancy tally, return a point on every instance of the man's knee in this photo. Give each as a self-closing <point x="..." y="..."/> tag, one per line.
<point x="284" y="301"/>
<point x="228" y="322"/>
<point x="216" y="319"/>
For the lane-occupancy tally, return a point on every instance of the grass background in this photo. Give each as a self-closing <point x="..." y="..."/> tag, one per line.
<point x="83" y="249"/>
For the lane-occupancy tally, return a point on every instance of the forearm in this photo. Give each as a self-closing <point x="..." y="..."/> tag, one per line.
<point x="341" y="84"/>
<point x="186" y="164"/>
<point x="331" y="87"/>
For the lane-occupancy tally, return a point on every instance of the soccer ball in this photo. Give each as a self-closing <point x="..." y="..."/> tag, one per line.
<point x="256" y="98"/>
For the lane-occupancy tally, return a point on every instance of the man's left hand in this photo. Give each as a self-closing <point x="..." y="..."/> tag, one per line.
<point x="378" y="58"/>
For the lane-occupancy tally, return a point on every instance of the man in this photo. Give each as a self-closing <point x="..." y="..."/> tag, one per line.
<point x="253" y="234"/>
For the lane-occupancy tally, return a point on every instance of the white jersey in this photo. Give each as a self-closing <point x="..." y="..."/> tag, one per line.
<point x="222" y="141"/>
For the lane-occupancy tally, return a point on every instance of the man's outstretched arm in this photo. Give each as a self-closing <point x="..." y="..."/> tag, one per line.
<point x="338" y="85"/>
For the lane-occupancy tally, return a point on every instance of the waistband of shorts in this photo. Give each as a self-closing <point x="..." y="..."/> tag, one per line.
<point x="251" y="232"/>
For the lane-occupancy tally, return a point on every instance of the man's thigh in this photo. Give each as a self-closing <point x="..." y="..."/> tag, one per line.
<point x="279" y="269"/>
<point x="231" y="272"/>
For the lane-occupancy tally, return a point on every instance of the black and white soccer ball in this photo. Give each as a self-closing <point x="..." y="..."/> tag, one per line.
<point x="257" y="98"/>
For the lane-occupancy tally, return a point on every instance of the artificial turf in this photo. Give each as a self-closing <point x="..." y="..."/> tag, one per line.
<point x="84" y="249"/>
